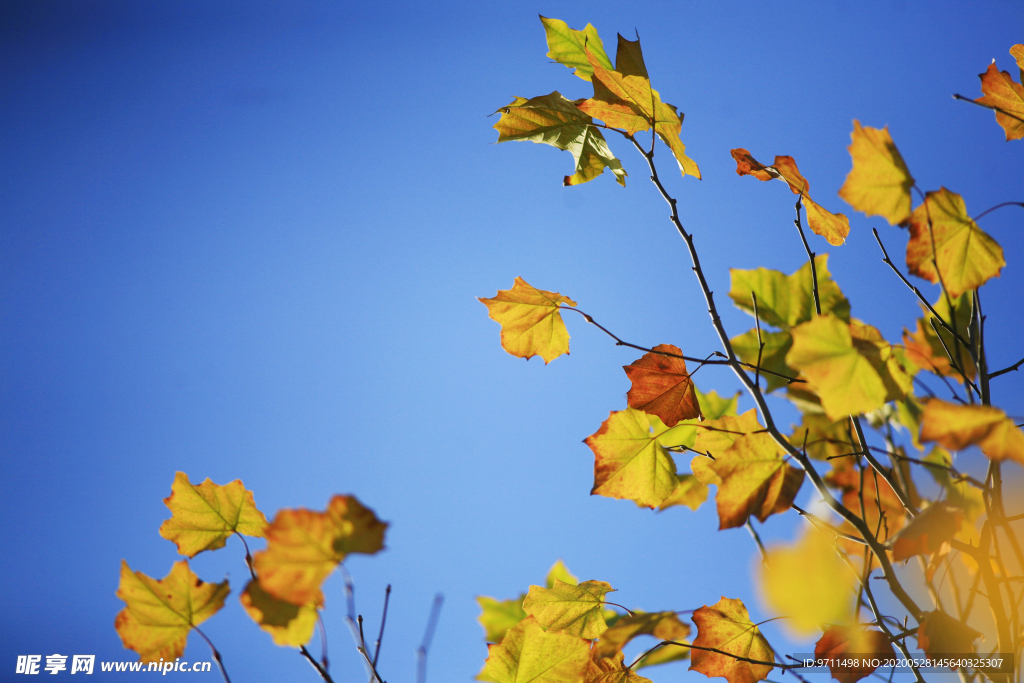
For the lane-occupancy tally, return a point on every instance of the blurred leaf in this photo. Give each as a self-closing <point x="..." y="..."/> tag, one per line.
<point x="840" y="641"/>
<point x="498" y="616"/>
<point x="289" y="625"/>
<point x="956" y="427"/>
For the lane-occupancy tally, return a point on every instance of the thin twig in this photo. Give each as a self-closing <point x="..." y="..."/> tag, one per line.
<point x="757" y="540"/>
<point x="428" y="635"/>
<point x="383" y="620"/>
<point x="1012" y="368"/>
<point x="810" y="257"/>
<point x="316" y="665"/>
<point x="216" y="654"/>
<point x="760" y="343"/>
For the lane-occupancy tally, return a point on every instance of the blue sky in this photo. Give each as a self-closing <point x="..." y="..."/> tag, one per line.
<point x="244" y="240"/>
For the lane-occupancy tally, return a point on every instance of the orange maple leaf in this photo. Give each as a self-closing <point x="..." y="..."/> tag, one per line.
<point x="530" y="322"/>
<point x="1001" y="91"/>
<point x="956" y="427"/>
<point x="662" y="386"/>
<point x="834" y="227"/>
<point x="158" y="615"/>
<point x="304" y="547"/>
<point x="879" y="183"/>
<point x="726" y="626"/>
<point x="839" y="641"/>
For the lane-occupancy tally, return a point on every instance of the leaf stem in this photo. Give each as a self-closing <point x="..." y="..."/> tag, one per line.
<point x="986" y="106"/>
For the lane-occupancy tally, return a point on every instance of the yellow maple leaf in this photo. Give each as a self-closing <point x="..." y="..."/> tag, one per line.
<point x="529" y="653"/>
<point x="809" y="583"/>
<point x="726" y="626"/>
<point x="567" y="46"/>
<point x="289" y="625"/>
<point x="571" y="608"/>
<point x="879" y="183"/>
<point x="956" y="427"/>
<point x="304" y="546"/>
<point x="204" y="515"/>
<point x="785" y="301"/>
<point x="966" y="256"/>
<point x="689" y="491"/>
<point x="612" y="670"/>
<point x="629" y="462"/>
<point x="530" y="322"/>
<point x="851" y="368"/>
<point x="158" y="615"/>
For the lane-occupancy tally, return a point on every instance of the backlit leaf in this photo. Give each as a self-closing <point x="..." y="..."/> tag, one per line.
<point x="870" y="497"/>
<point x="726" y="626"/>
<point x="785" y="301"/>
<point x="498" y="616"/>
<point x="289" y="625"/>
<point x="629" y="463"/>
<point x="304" y="547"/>
<point x="772" y="356"/>
<point x="926" y="533"/>
<point x="611" y="670"/>
<point x="574" y="609"/>
<point x="566" y="46"/>
<point x="824" y="438"/>
<point x="1017" y="52"/>
<point x="559" y="572"/>
<point x="712" y="405"/>
<point x="957" y="426"/>
<point x="531" y="324"/>
<point x="966" y="256"/>
<point x="529" y="653"/>
<point x="751" y="475"/>
<point x="690" y="491"/>
<point x="623" y="98"/>
<point x="849" y="365"/>
<point x="556" y="121"/>
<point x="204" y="515"/>
<point x="838" y="642"/>
<point x="960" y="494"/>
<point x="834" y="227"/>
<point x="1001" y="91"/>
<point x="661" y="386"/>
<point x="924" y="349"/>
<point x="879" y="183"/>
<point x="158" y="615"/>
<point x="809" y="583"/>
<point x="939" y="634"/>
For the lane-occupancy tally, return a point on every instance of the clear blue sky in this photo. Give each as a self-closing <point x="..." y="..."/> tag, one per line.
<point x="244" y="240"/>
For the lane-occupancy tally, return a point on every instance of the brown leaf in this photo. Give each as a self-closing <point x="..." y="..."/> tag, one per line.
<point x="940" y="634"/>
<point x="1001" y="91"/>
<point x="926" y="533"/>
<point x="662" y="386"/>
<point x="839" y="641"/>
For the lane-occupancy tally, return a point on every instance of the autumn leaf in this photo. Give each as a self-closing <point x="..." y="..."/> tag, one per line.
<point x="529" y="653"/>
<point x="158" y="615"/>
<point x="712" y="405"/>
<point x="808" y="582"/>
<point x="531" y="324"/>
<point x="304" y="547"/>
<point x="926" y="533"/>
<point x="567" y="46"/>
<point x="726" y="626"/>
<point x="203" y="516"/>
<point x="960" y="494"/>
<point x="661" y="386"/>
<point x="822" y="437"/>
<point x="289" y="625"/>
<point x="966" y="256"/>
<point x="611" y="670"/>
<point x="574" y="609"/>
<point x="785" y="301"/>
<point x="556" y="121"/>
<point x="623" y="98"/>
<point x="956" y="427"/>
<point x="1017" y="52"/>
<point x="748" y="468"/>
<point x="629" y="463"/>
<point x="839" y="642"/>
<point x="559" y="572"/>
<point x="660" y="625"/>
<point x="498" y="616"/>
<point x="848" y="365"/>
<point x="689" y="491"/>
<point x="879" y="183"/>
<point x="871" y="498"/>
<point x="1001" y="91"/>
<point x="834" y="227"/>
<point x="939" y="635"/>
